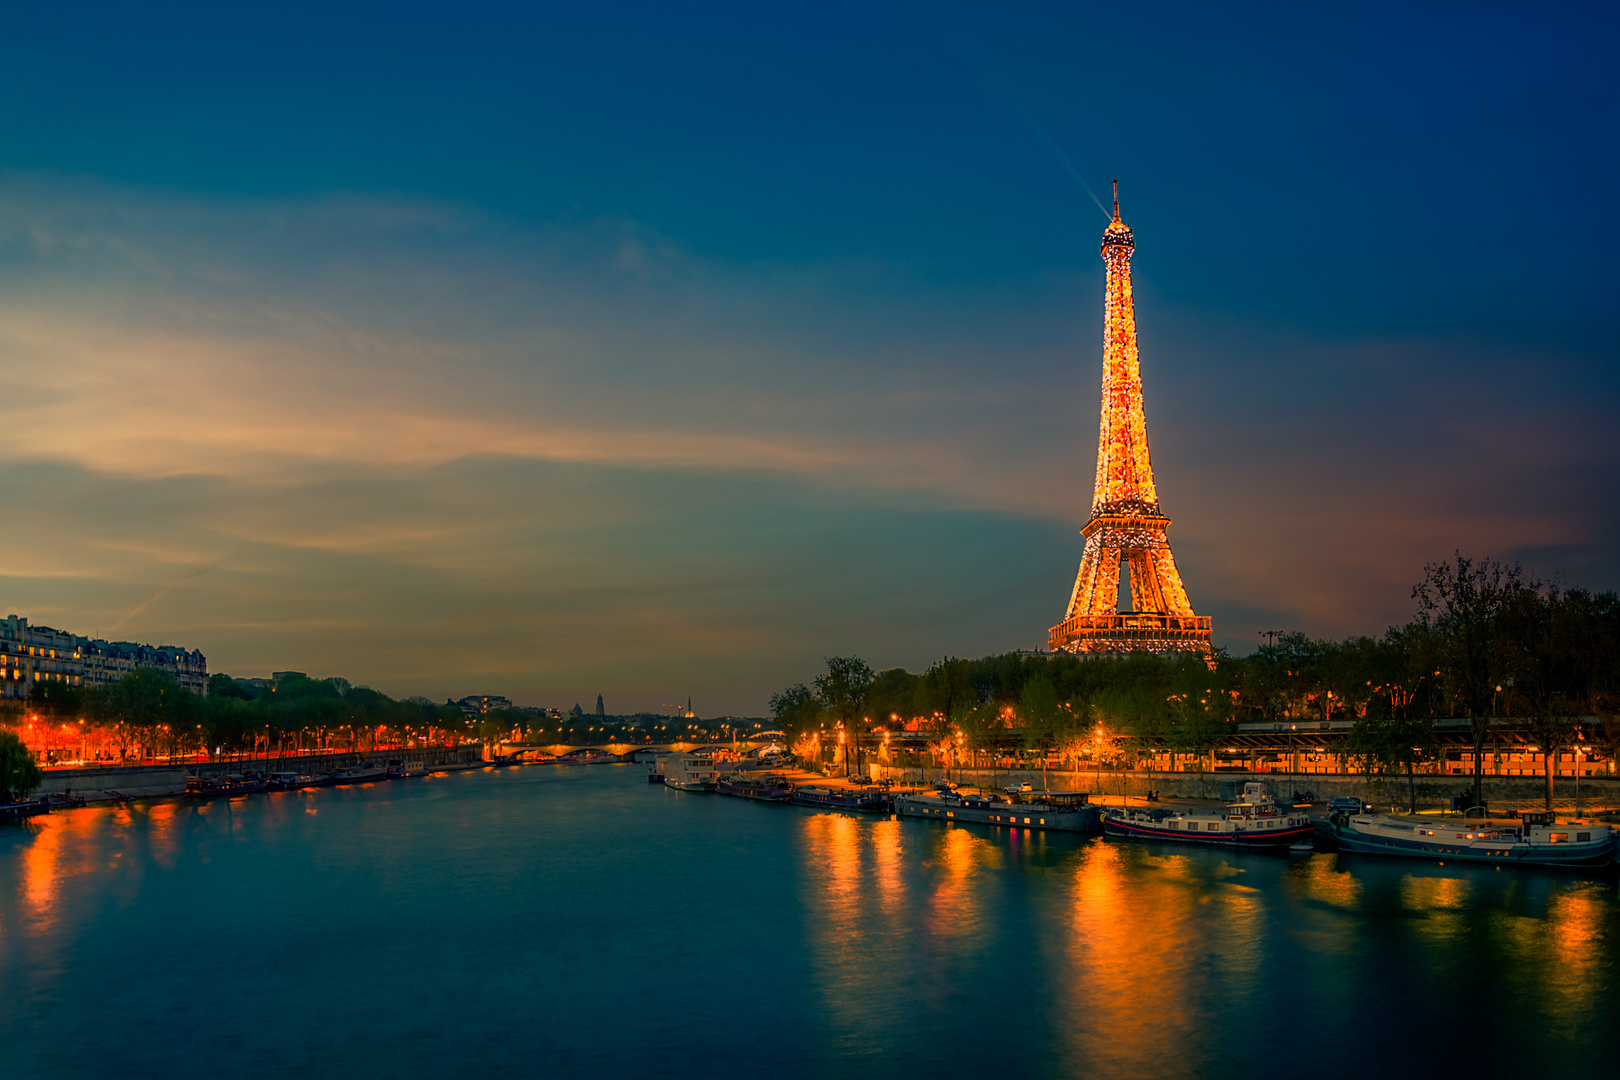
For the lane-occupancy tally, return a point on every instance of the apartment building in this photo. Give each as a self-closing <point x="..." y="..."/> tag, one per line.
<point x="30" y="654"/>
<point x="109" y="661"/>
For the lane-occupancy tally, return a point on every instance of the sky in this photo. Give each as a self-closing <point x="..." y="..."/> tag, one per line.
<point x="655" y="350"/>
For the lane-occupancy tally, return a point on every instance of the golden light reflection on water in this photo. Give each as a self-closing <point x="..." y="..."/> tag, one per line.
<point x="886" y="857"/>
<point x="855" y="922"/>
<point x="1562" y="956"/>
<point x="1146" y="937"/>
<point x="1430" y="893"/>
<point x="1324" y="881"/>
<point x="953" y="906"/>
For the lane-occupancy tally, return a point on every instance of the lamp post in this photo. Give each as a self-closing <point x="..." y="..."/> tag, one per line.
<point x="1580" y="752"/>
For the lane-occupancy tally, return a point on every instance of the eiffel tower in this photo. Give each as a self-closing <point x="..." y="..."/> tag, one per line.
<point x="1126" y="526"/>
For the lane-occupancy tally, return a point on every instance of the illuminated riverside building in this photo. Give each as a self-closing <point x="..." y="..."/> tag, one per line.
<point x="30" y="654"/>
<point x="1126" y="530"/>
<point x="109" y="661"/>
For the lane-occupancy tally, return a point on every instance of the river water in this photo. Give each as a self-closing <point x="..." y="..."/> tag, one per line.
<point x="580" y="922"/>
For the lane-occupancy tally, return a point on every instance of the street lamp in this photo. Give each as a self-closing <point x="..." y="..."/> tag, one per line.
<point x="1580" y="753"/>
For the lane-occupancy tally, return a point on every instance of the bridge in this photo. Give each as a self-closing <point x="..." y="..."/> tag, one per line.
<point x="623" y="751"/>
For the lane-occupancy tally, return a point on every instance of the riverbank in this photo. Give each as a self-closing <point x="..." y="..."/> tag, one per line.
<point x="120" y="783"/>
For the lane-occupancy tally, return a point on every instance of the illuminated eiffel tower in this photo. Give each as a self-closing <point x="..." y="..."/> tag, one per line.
<point x="1126" y="526"/>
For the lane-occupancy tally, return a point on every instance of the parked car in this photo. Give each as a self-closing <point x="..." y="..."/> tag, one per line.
<point x="1345" y="804"/>
<point x="1016" y="789"/>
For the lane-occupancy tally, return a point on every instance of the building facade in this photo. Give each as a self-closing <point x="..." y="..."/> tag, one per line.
<point x="30" y="654"/>
<point x="109" y="661"/>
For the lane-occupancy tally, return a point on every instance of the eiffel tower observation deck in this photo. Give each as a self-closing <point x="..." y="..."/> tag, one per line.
<point x="1126" y="529"/>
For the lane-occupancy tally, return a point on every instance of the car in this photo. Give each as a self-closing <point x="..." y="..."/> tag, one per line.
<point x="1347" y="805"/>
<point x="944" y="785"/>
<point x="1017" y="789"/>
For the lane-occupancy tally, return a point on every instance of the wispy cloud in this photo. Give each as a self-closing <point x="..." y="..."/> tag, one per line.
<point x="434" y="444"/>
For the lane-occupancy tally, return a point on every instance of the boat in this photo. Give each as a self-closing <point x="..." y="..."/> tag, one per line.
<point x="655" y="767"/>
<point x="287" y="781"/>
<point x="358" y="774"/>
<point x="213" y="787"/>
<point x="1255" y="821"/>
<point x="588" y="757"/>
<point x="766" y="788"/>
<point x="862" y="802"/>
<point x="690" y="772"/>
<point x="1065" y="811"/>
<point x="1534" y="838"/>
<point x="16" y="811"/>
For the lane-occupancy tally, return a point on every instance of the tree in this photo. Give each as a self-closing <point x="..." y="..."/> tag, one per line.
<point x="843" y="686"/>
<point x="1550" y="634"/>
<point x="1199" y="703"/>
<point x="1461" y="605"/>
<point x="797" y="711"/>
<point x="1038" y="709"/>
<point x="56" y="699"/>
<point x="19" y="774"/>
<point x="1386" y="745"/>
<point x="945" y="695"/>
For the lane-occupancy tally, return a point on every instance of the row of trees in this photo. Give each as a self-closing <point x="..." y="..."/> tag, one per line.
<point x="147" y="714"/>
<point x="1487" y="640"/>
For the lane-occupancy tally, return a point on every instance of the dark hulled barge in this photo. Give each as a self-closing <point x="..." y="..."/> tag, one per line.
<point x="1066" y="811"/>
<point x="862" y="802"/>
<point x="1255" y="822"/>
<point x="766" y="788"/>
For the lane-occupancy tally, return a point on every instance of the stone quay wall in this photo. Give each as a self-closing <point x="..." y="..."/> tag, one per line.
<point x="147" y="779"/>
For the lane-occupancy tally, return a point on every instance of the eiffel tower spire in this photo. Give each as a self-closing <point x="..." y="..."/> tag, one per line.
<point x="1126" y="527"/>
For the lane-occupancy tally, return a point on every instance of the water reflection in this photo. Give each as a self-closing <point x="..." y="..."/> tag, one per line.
<point x="869" y="947"/>
<point x="1133" y="920"/>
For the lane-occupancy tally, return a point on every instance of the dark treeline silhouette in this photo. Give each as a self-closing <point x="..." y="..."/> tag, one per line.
<point x="147" y="714"/>
<point x="1487" y="641"/>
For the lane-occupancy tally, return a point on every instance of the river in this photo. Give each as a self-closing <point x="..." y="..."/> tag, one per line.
<point x="580" y="922"/>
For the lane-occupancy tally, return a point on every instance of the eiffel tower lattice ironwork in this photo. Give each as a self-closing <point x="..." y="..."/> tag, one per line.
<point x="1126" y="526"/>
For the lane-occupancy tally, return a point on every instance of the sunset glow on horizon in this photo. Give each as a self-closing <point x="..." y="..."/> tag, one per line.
<point x="656" y="352"/>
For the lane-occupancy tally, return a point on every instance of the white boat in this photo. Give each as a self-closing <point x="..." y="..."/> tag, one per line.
<point x="1535" y="838"/>
<point x="690" y="772"/>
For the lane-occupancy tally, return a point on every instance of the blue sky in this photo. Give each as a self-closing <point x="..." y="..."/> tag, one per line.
<point x="652" y="350"/>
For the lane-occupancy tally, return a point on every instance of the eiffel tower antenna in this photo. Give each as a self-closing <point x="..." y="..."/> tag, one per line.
<point x="1126" y="531"/>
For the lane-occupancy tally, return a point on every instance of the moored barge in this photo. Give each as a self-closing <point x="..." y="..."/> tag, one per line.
<point x="1255" y="822"/>
<point x="211" y="787"/>
<point x="1066" y="811"/>
<point x="690" y="772"/>
<point x="827" y="798"/>
<point x="1535" y="838"/>
<point x="15" y="811"/>
<point x="766" y="788"/>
